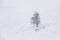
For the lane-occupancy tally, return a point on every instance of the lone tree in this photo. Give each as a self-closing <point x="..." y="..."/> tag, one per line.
<point x="35" y="20"/>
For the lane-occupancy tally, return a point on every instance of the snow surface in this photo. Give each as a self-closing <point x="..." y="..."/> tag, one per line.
<point x="51" y="32"/>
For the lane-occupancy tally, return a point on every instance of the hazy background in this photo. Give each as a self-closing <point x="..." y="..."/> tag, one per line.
<point x="7" y="3"/>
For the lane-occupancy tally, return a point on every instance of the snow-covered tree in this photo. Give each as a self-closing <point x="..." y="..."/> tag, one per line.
<point x="35" y="20"/>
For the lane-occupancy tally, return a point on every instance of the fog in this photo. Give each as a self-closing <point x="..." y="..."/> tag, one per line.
<point x="7" y="3"/>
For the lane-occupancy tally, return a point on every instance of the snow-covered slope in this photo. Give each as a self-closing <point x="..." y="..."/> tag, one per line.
<point x="51" y="32"/>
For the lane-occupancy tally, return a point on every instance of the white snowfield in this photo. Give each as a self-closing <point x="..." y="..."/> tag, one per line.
<point x="51" y="32"/>
<point x="13" y="28"/>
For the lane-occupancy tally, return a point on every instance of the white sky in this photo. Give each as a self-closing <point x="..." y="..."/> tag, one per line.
<point x="7" y="3"/>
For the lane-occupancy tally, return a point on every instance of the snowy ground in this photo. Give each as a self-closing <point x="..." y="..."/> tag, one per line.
<point x="51" y="32"/>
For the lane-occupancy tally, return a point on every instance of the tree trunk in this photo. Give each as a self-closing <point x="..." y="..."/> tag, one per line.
<point x="37" y="25"/>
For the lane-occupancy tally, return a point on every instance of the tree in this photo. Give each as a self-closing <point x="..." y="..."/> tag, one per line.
<point x="35" y="20"/>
